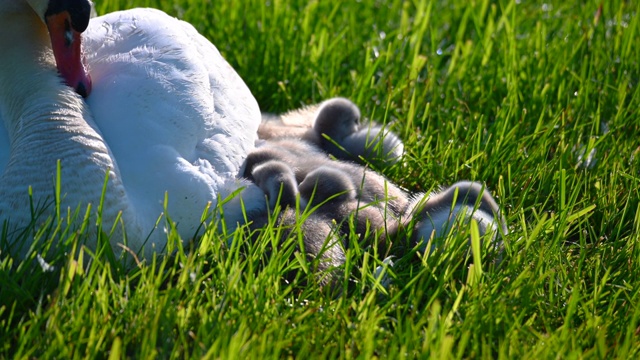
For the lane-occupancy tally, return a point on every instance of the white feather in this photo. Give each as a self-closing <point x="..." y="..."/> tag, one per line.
<point x="167" y="114"/>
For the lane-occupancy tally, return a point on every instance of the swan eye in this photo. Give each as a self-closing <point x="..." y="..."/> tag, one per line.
<point x="68" y="34"/>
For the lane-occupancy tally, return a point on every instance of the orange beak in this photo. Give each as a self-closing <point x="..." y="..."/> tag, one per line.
<point x="67" y="50"/>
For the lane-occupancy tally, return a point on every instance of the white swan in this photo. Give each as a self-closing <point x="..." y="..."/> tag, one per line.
<point x="166" y="114"/>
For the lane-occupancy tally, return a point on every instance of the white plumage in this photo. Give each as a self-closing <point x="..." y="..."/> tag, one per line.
<point x="167" y="114"/>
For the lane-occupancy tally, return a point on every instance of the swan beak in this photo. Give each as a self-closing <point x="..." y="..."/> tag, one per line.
<point x="67" y="50"/>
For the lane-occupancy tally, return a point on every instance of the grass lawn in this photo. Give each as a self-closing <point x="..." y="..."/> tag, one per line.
<point x="539" y="100"/>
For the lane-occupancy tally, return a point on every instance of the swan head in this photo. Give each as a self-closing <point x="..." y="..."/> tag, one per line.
<point x="66" y="20"/>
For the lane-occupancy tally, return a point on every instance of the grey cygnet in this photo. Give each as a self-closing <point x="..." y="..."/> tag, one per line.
<point x="335" y="189"/>
<point x="334" y="194"/>
<point x="278" y="182"/>
<point x="304" y="158"/>
<point x="334" y="126"/>
<point x="434" y="215"/>
<point x="338" y="189"/>
<point x="340" y="133"/>
<point x="320" y="239"/>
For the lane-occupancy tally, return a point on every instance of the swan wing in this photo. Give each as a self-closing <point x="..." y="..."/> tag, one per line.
<point x="174" y="113"/>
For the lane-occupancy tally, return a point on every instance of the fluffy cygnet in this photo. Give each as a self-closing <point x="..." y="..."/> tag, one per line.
<point x="341" y="134"/>
<point x="435" y="214"/>
<point x="320" y="238"/>
<point x="304" y="158"/>
<point x="334" y="126"/>
<point x="278" y="182"/>
<point x="333" y="194"/>
<point x="336" y="190"/>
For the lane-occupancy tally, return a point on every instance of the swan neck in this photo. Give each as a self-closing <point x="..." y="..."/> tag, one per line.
<point x="31" y="92"/>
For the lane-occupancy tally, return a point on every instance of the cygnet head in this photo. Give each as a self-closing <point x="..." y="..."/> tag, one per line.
<point x="337" y="118"/>
<point x="327" y="184"/>
<point x="257" y="157"/>
<point x="334" y="191"/>
<point x="278" y="181"/>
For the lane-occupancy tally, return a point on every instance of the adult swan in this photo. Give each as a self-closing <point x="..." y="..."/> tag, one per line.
<point x="165" y="114"/>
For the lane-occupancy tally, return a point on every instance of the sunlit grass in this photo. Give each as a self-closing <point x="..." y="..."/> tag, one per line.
<point x="516" y="94"/>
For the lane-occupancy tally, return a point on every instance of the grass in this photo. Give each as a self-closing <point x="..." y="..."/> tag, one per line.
<point x="514" y="94"/>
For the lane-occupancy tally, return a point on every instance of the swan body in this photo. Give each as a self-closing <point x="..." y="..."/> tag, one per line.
<point x="188" y="123"/>
<point x="166" y="115"/>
